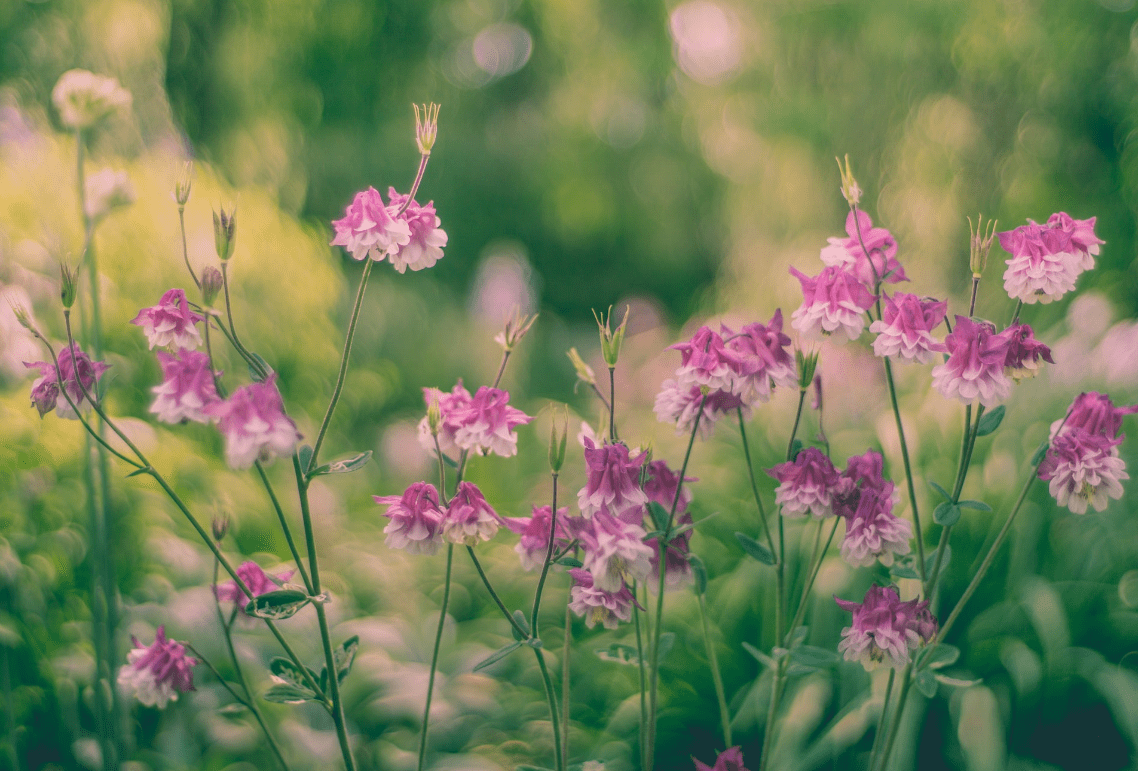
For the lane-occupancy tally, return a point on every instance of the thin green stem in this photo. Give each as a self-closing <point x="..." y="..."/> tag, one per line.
<point x="813" y="575"/>
<point x="754" y="484"/>
<point x="975" y="291"/>
<point x="612" y="405"/>
<point x="423" y="159"/>
<point x="906" y="682"/>
<point x="493" y="594"/>
<point x="185" y="250"/>
<point x="435" y="659"/>
<point x="884" y="716"/>
<point x="908" y="467"/>
<point x="546" y="564"/>
<point x="257" y="366"/>
<point x="1015" y="315"/>
<point x="565" y="649"/>
<point x="797" y="420"/>
<point x="642" y="736"/>
<point x="550" y="697"/>
<point x="717" y="679"/>
<point x="284" y="526"/>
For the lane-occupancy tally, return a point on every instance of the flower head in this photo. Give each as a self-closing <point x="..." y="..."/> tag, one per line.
<point x="187" y="387"/>
<point x="534" y="531"/>
<point x="680" y="404"/>
<point x="975" y="366"/>
<point x="451" y="406"/>
<point x="1024" y="352"/>
<point x="1046" y="259"/>
<point x="884" y="629"/>
<point x="416" y="519"/>
<point x="469" y="518"/>
<point x="84" y="98"/>
<point x="807" y="484"/>
<point x="427" y="239"/>
<point x="876" y="262"/>
<point x="170" y="323"/>
<point x="106" y="190"/>
<point x="487" y="423"/>
<point x="834" y="304"/>
<point x="761" y="359"/>
<point x="155" y="674"/>
<point x="256" y="580"/>
<point x="1094" y="413"/>
<point x="730" y="759"/>
<point x="595" y="604"/>
<point x="78" y="373"/>
<point x="369" y="228"/>
<point x="1083" y="469"/>
<point x="873" y="532"/>
<point x="613" y="483"/>
<point x="905" y="331"/>
<point x="254" y="424"/>
<point x="615" y="552"/>
<point x="1084" y="242"/>
<point x="705" y="361"/>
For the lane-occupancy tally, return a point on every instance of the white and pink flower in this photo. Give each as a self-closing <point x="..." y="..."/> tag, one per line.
<point x="834" y="305"/>
<point x="187" y="388"/>
<point x="416" y="520"/>
<point x="78" y="373"/>
<point x="469" y="518"/>
<point x="1083" y="469"/>
<point x="170" y="323"/>
<point x="425" y="246"/>
<point x="762" y="359"/>
<point x="884" y="629"/>
<point x="680" y="404"/>
<point x="975" y="366"/>
<point x="595" y="604"/>
<point x="256" y="580"/>
<point x="615" y="552"/>
<point x="157" y="673"/>
<point x="613" y="482"/>
<point x="254" y="424"/>
<point x="487" y="423"/>
<point x="875" y="263"/>
<point x="534" y="531"/>
<point x="905" y="331"/>
<point x="371" y="228"/>
<point x="807" y="484"/>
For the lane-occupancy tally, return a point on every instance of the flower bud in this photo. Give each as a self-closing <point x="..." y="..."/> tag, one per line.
<point x="426" y="126"/>
<point x="816" y="399"/>
<point x="24" y="317"/>
<point x="69" y="285"/>
<point x="211" y="285"/>
<point x="557" y="443"/>
<point x="183" y="183"/>
<point x="611" y="339"/>
<point x="220" y="526"/>
<point x="807" y="364"/>
<point x="850" y="189"/>
<point x="981" y="244"/>
<point x="584" y="372"/>
<point x="225" y="232"/>
<point x="516" y="327"/>
<point x="434" y="413"/>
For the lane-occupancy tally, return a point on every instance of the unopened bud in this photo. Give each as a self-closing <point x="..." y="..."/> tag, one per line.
<point x="850" y="189"/>
<point x="434" y="413"/>
<point x="557" y="443"/>
<point x="24" y="317"/>
<point x="220" y="526"/>
<point x="183" y="183"/>
<point x="516" y="327"/>
<point x="981" y="243"/>
<point x="225" y="232"/>
<point x="69" y="285"/>
<point x="807" y="364"/>
<point x="584" y="372"/>
<point x="611" y="339"/>
<point x="816" y="399"/>
<point x="212" y="282"/>
<point x="426" y="126"/>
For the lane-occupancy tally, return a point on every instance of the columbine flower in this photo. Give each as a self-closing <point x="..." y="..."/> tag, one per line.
<point x="369" y="228"/>
<point x="487" y="423"/>
<point x="78" y="374"/>
<point x="1044" y="263"/>
<point x="660" y="485"/>
<point x="615" y="552"/>
<point x="469" y="518"/>
<point x="155" y="674"/>
<point x="834" y="304"/>
<point x="807" y="484"/>
<point x="762" y="360"/>
<point x="1083" y="469"/>
<point x="254" y="424"/>
<point x="705" y="361"/>
<point x="1095" y="413"/>
<point x="1024" y="352"/>
<point x="170" y="322"/>
<point x="1084" y="242"/>
<point x="427" y="240"/>
<point x="534" y="531"/>
<point x="84" y="98"/>
<point x="975" y="366"/>
<point x="873" y="532"/>
<point x="884" y="628"/>
<point x="680" y="404"/>
<point x="416" y="519"/>
<point x="597" y="605"/>
<point x="256" y="579"/>
<point x="613" y="484"/>
<point x="880" y="265"/>
<point x="106" y="190"/>
<point x="451" y="407"/>
<point x="905" y="332"/>
<point x="187" y="387"/>
<point x="728" y="760"/>
<point x="865" y="471"/>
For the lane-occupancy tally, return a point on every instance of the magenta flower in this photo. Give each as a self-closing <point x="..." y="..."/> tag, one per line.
<point x="865" y="471"/>
<point x="1084" y="242"/>
<point x="369" y="228"/>
<point x="975" y="366"/>
<point x="1083" y="469"/>
<point x="487" y="424"/>
<point x="885" y="629"/>
<point x="425" y="246"/>
<point x="187" y="387"/>
<point x="677" y="569"/>
<point x="613" y="483"/>
<point x="807" y="484"/>
<point x="155" y="674"/>
<point x="1094" y="413"/>
<point x="597" y="605"/>
<point x="879" y="265"/>
<point x="534" y="531"/>
<point x="254" y="424"/>
<point x="78" y="374"/>
<point x="728" y="760"/>
<point x="416" y="519"/>
<point x="834" y="304"/>
<point x="615" y="552"/>
<point x="660" y="485"/>
<point x="706" y="361"/>
<point x="905" y="332"/>
<point x="680" y="404"/>
<point x="1044" y="263"/>
<point x="469" y="518"/>
<point x="873" y="532"/>
<point x="1024" y="352"/>
<point x="762" y="360"/>
<point x="451" y="408"/>
<point x="170" y="322"/>
<point x="255" y="579"/>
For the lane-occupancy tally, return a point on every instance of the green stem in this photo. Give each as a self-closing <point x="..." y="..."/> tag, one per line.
<point x="185" y="250"/>
<point x="257" y="366"/>
<point x="284" y="526"/>
<point x="642" y="736"/>
<point x="906" y="682"/>
<point x="565" y="649"/>
<point x="908" y="467"/>
<point x="754" y="484"/>
<point x="884" y="716"/>
<point x="612" y="405"/>
<point x="435" y="658"/>
<point x="550" y="697"/>
<point x="497" y="600"/>
<point x="545" y="565"/>
<point x="724" y="714"/>
<point x="813" y="575"/>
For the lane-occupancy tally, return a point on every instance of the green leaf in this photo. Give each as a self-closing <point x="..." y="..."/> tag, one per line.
<point x="304" y="455"/>
<point x="977" y="505"/>
<point x="450" y="461"/>
<point x="277" y="605"/>
<point x="571" y="562"/>
<point x="346" y="466"/>
<point x="812" y="656"/>
<point x="926" y="683"/>
<point x="939" y="489"/>
<point x="699" y="572"/>
<point x="522" y="622"/>
<point x="658" y="514"/>
<point x="282" y="693"/>
<point x="498" y="655"/>
<point x="621" y="654"/>
<point x="940" y="657"/>
<point x="138" y="472"/>
<point x="253" y="373"/>
<point x="531" y="768"/>
<point x="794" y="670"/>
<point x="1040" y="454"/>
<point x="903" y="569"/>
<point x="955" y="682"/>
<point x="946" y="514"/>
<point x="755" y="549"/>
<point x="345" y="655"/>
<point x="798" y="636"/>
<point x="284" y="669"/>
<point x="667" y="640"/>
<point x="990" y="421"/>
<point x="761" y="657"/>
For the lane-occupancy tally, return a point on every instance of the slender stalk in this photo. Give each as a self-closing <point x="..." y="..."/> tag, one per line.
<point x="642" y="736"/>
<point x="1015" y="315"/>
<point x="601" y="396"/>
<point x="535" y="633"/>
<point x="906" y="682"/>
<point x="551" y="697"/>
<point x="908" y="467"/>
<point x="423" y="159"/>
<point x="435" y="657"/>
<point x="185" y="250"/>
<point x="612" y="404"/>
<point x="724" y="714"/>
<point x="497" y="600"/>
<point x="797" y="420"/>
<point x="958" y="485"/>
<point x="565" y="648"/>
<point x="813" y="575"/>
<point x="754" y="484"/>
<point x="884" y="716"/>
<point x="284" y="526"/>
<point x="545" y="565"/>
<point x="975" y="291"/>
<point x="10" y="713"/>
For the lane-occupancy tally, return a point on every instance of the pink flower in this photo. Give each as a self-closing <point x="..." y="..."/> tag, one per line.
<point x="680" y="404"/>
<point x="613" y="483"/>
<point x="705" y="361"/>
<point x="255" y="579"/>
<point x="885" y="629"/>
<point x="1046" y="259"/>
<point x="369" y="228"/>
<point x="1094" y="413"/>
<point x="1084" y="242"/>
<point x="425" y="247"/>
<point x="487" y="424"/>
<point x="873" y="532"/>
<point x="762" y="360"/>
<point x="1083" y="469"/>
<point x="807" y="484"/>
<point x="534" y="531"/>
<point x="615" y="552"/>
<point x="677" y="569"/>
<point x="834" y="303"/>
<point x="1024" y="352"/>
<point x="879" y="265"/>
<point x="905" y="332"/>
<point x="451" y="408"/>
<point x="187" y="387"/>
<point x="78" y="374"/>
<point x="865" y="471"/>
<point x="155" y="674"/>
<point x="254" y="424"/>
<point x="416" y="519"/>
<point x="170" y="322"/>
<point x="975" y="366"/>
<point x="597" y="605"/>
<point x="660" y="485"/>
<point x="728" y="760"/>
<point x="469" y="518"/>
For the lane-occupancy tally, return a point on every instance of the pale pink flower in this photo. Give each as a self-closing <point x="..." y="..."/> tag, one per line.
<point x="425" y="246"/>
<point x="807" y="484"/>
<point x="155" y="674"/>
<point x="469" y="518"/>
<point x="834" y="304"/>
<point x="1094" y="413"/>
<point x="762" y="359"/>
<point x="1084" y="242"/>
<point x="256" y="580"/>
<point x="370" y="228"/>
<point x="107" y="190"/>
<point x="78" y="374"/>
<point x="975" y="366"/>
<point x="487" y="423"/>
<point x="595" y="604"/>
<point x="1044" y="264"/>
<point x="615" y="552"/>
<point x="660" y="485"/>
<point x="187" y="388"/>
<point x="1083" y="470"/>
<point x="680" y="404"/>
<point x="1024" y="352"/>
<point x="170" y="322"/>
<point x="534" y="531"/>
<point x="905" y="331"/>
<point x="613" y="482"/>
<point x="884" y="629"/>
<point x="254" y="424"/>
<point x="451" y="408"/>
<point x="416" y="519"/>
<point x="878" y="266"/>
<point x="706" y="361"/>
<point x="84" y="98"/>
<point x="873" y="532"/>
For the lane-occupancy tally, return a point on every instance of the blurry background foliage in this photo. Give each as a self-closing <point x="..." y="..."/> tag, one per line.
<point x="671" y="156"/>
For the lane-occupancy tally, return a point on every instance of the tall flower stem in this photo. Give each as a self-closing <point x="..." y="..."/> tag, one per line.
<point x="754" y="484"/>
<point x="435" y="656"/>
<point x="549" y="691"/>
<point x="256" y="365"/>
<point x="902" y="696"/>
<point x="717" y="679"/>
<point x="813" y="575"/>
<point x="968" y="443"/>
<point x="565" y="648"/>
<point x="908" y="466"/>
<point x="185" y="250"/>
<point x="550" y="697"/>
<point x="642" y="736"/>
<point x="877" y="734"/>
<point x="494" y="595"/>
<point x="612" y="405"/>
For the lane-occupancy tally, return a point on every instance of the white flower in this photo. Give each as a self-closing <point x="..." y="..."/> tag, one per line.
<point x="84" y="98"/>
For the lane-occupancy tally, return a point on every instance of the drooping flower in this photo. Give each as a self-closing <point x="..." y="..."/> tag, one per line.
<point x="254" y="424"/>
<point x="865" y="471"/>
<point x="469" y="518"/>
<point x="728" y="760"/>
<point x="451" y="407"/>
<point x="706" y="361"/>
<point x="615" y="552"/>
<point x="884" y="629"/>
<point x="1044" y="264"/>
<point x="762" y="359"/>
<point x="1024" y="352"/>
<point x="370" y="228"/>
<point x="155" y="674"/>
<point x="84" y="98"/>
<point x="873" y="532"/>
<point x="680" y="404"/>
<point x="905" y="331"/>
<point x="1084" y="242"/>
<point x="427" y="240"/>
<point x="416" y="519"/>
<point x="534" y="531"/>
<point x="487" y="423"/>
<point x="78" y="373"/>
<point x="834" y="305"/>
<point x="975" y="366"/>
<point x="170" y="322"/>
<point x="597" y="605"/>
<point x="660" y="485"/>
<point x="187" y="387"/>
<point x="1083" y="470"/>
<point x="807" y="484"/>
<point x="613" y="483"/>
<point x="256" y="580"/>
<point x="1094" y="413"/>
<point x="873" y="264"/>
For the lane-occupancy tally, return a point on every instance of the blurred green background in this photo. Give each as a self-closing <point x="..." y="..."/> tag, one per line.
<point x="674" y="157"/>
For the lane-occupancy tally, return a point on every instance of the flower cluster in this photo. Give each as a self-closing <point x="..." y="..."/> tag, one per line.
<point x="254" y="424"/>
<point x="868" y="253"/>
<point x="866" y="499"/>
<point x="483" y="423"/>
<point x="155" y="674"/>
<point x="1082" y="464"/>
<point x="1047" y="259"/>
<point x="904" y="330"/>
<point x="420" y="525"/>
<point x="187" y="389"/>
<point x="170" y="323"/>
<point x="885" y="629"/>
<point x="401" y="230"/>
<point x="78" y="374"/>
<point x="84" y="98"/>
<point x="728" y="760"/>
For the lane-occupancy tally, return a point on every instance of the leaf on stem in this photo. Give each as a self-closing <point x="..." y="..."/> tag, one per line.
<point x="277" y="605"/>
<point x="283" y="693"/>
<point x="812" y="656"/>
<point x="137" y="472"/>
<point x="942" y="656"/>
<point x="287" y="673"/>
<point x="930" y="561"/>
<point x="939" y="489"/>
<point x="253" y="373"/>
<point x="755" y="549"/>
<point x="947" y="514"/>
<point x="345" y="655"/>
<point x="795" y="448"/>
<point x="304" y="454"/>
<point x="977" y="505"/>
<point x="497" y="655"/>
<point x="761" y="657"/>
<point x="658" y="514"/>
<point x="956" y="682"/>
<point x="346" y="466"/>
<point x="699" y="571"/>
<point x="926" y="683"/>
<point x="1040" y="454"/>
<point x="903" y="568"/>
<point x="621" y="654"/>
<point x="990" y="421"/>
